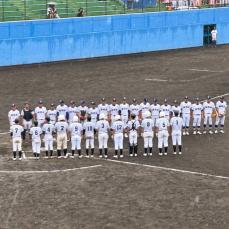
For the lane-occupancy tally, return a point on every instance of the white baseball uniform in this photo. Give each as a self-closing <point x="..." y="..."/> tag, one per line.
<point x="114" y="109"/>
<point x="52" y="114"/>
<point x="176" y="124"/>
<point x="167" y="110"/>
<point x="72" y="111"/>
<point x="118" y="128"/>
<point x="103" y="109"/>
<point x="76" y="129"/>
<point x="186" y="113"/>
<point x="147" y="126"/>
<point x="124" y="107"/>
<point x="102" y="126"/>
<point x="93" y="112"/>
<point x="16" y="132"/>
<point x="62" y="110"/>
<point x="221" y="110"/>
<point x="208" y="109"/>
<point x="163" y="135"/>
<point x="89" y="128"/>
<point x="61" y="129"/>
<point x="12" y="115"/>
<point x="133" y="126"/>
<point x="36" y="139"/>
<point x="144" y="107"/>
<point x="155" y="110"/>
<point x="197" y="111"/>
<point x="135" y="109"/>
<point x="48" y="129"/>
<point x="40" y="113"/>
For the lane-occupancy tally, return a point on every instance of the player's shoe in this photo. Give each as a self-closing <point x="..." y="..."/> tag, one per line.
<point x="14" y="158"/>
<point x="216" y="131"/>
<point x="105" y="156"/>
<point x="80" y="156"/>
<point x="184" y="133"/>
<point x="46" y="157"/>
<point x="92" y="155"/>
<point x="115" y="156"/>
<point x="150" y="154"/>
<point x="187" y="133"/>
<point x="180" y="153"/>
<point x="160" y="154"/>
<point x="135" y="155"/>
<point x="59" y="157"/>
<point x="131" y="155"/>
<point x="174" y="152"/>
<point x="194" y="132"/>
<point x="210" y="132"/>
<point x="222" y="131"/>
<point x="72" y="156"/>
<point x="121" y="156"/>
<point x="19" y="158"/>
<point x="198" y="132"/>
<point x="165" y="154"/>
<point x="87" y="156"/>
<point x="100" y="156"/>
<point x="126" y="135"/>
<point x="144" y="154"/>
<point x="204" y="132"/>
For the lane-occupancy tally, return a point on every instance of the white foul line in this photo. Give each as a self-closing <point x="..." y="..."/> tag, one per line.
<point x="48" y="171"/>
<point x="202" y="70"/>
<point x="3" y="133"/>
<point x="169" y="169"/>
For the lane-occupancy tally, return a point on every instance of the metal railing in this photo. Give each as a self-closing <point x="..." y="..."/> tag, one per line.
<point x="15" y="10"/>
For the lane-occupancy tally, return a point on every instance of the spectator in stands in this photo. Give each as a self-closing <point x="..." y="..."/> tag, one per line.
<point x="80" y="12"/>
<point x="52" y="11"/>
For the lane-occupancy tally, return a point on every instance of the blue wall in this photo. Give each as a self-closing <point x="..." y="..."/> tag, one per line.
<point x="51" y="40"/>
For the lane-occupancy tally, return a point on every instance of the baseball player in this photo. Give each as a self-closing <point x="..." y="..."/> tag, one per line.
<point x="83" y="109"/>
<point x="89" y="131"/>
<point x="221" y="107"/>
<point x="61" y="128"/>
<point x="147" y="133"/>
<point x="40" y="113"/>
<point x="35" y="133"/>
<point x="13" y="114"/>
<point x="175" y="107"/>
<point x="62" y="109"/>
<point x="117" y="130"/>
<point x="186" y="114"/>
<point x="133" y="129"/>
<point x="176" y="124"/>
<point x="197" y="109"/>
<point x="27" y="115"/>
<point x="208" y="110"/>
<point x="93" y="112"/>
<point x="16" y="132"/>
<point x="103" y="107"/>
<point x="48" y="129"/>
<point x="125" y="110"/>
<point x="135" y="109"/>
<point x="103" y="127"/>
<point x="166" y="108"/>
<point x="113" y="110"/>
<point x="144" y="106"/>
<point x="76" y="130"/>
<point x="162" y="127"/>
<point x="72" y="111"/>
<point x="52" y="114"/>
<point x="155" y="110"/>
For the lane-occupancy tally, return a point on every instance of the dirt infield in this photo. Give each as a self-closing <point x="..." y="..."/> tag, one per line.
<point x="116" y="195"/>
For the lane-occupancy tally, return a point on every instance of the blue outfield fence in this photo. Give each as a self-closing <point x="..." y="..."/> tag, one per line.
<point x="27" y="42"/>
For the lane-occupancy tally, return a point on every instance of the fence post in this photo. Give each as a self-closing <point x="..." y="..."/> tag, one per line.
<point x="105" y="7"/>
<point x="67" y="7"/>
<point x="46" y="5"/>
<point x="25" y="13"/>
<point x="86" y="8"/>
<point x="3" y="11"/>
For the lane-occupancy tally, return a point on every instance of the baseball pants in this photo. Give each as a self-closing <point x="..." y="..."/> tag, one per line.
<point x="133" y="138"/>
<point x="163" y="138"/>
<point x="196" y="120"/>
<point x="61" y="141"/>
<point x="76" y="142"/>
<point x="176" y="138"/>
<point x="148" y="139"/>
<point x="17" y="144"/>
<point x="103" y="139"/>
<point x="36" y="145"/>
<point x="90" y="142"/>
<point x="186" y="120"/>
<point x="48" y="142"/>
<point x="118" y="141"/>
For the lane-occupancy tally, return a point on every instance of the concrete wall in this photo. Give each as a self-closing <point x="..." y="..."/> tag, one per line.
<point x="26" y="42"/>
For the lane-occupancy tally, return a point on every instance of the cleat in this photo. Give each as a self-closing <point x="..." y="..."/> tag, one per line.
<point x="80" y="156"/>
<point x="87" y="156"/>
<point x="126" y="135"/>
<point x="92" y="155"/>
<point x="19" y="158"/>
<point x="121" y="156"/>
<point x="150" y="154"/>
<point x="210" y="132"/>
<point x="160" y="154"/>
<point x="222" y="131"/>
<point x="105" y="156"/>
<point x="174" y="152"/>
<point x="100" y="156"/>
<point x="144" y="154"/>
<point x="115" y="156"/>
<point x="165" y="154"/>
<point x="46" y="157"/>
<point x="59" y="157"/>
<point x="72" y="156"/>
<point x="204" y="132"/>
<point x="194" y="132"/>
<point x="184" y="133"/>
<point x="180" y="153"/>
<point x="198" y="132"/>
<point x="14" y="158"/>
<point x="135" y="155"/>
<point x="187" y="133"/>
<point x="131" y="155"/>
<point x="216" y="131"/>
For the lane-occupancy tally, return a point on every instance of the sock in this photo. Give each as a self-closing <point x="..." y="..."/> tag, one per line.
<point x="34" y="154"/>
<point x="216" y="126"/>
<point x="150" y="150"/>
<point x="130" y="149"/>
<point x="65" y="152"/>
<point x="79" y="152"/>
<point x="160" y="150"/>
<point x="222" y="126"/>
<point x="180" y="148"/>
<point x="20" y="153"/>
<point x="87" y="151"/>
<point x="145" y="150"/>
<point x="51" y="153"/>
<point x="174" y="148"/>
<point x="121" y="151"/>
<point x="58" y="153"/>
<point x="105" y="151"/>
<point x="204" y="126"/>
<point x="92" y="151"/>
<point x="210" y="127"/>
<point x="46" y="153"/>
<point x="14" y="154"/>
<point x="166" y="149"/>
<point x="73" y="152"/>
<point x="116" y="152"/>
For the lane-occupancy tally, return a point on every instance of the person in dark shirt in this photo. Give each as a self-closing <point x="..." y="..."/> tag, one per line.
<point x="80" y="13"/>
